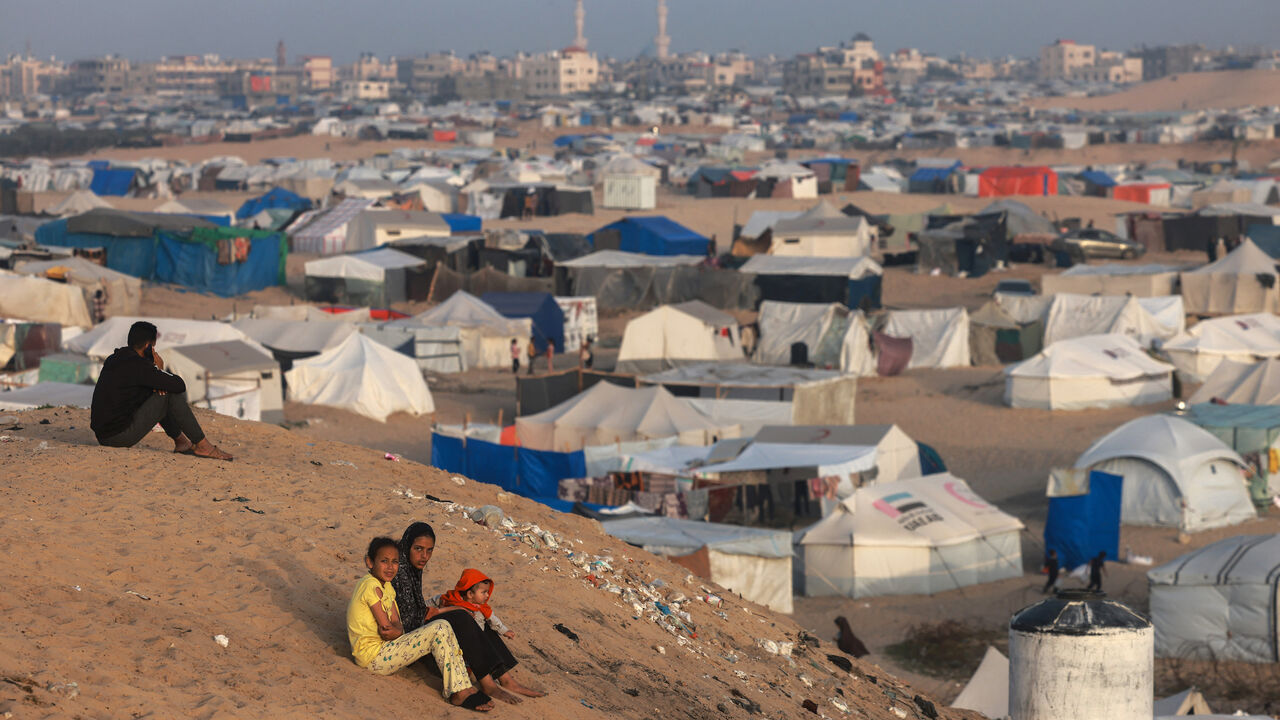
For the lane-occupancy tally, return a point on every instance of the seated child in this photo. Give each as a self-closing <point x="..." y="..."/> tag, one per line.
<point x="378" y="640"/>
<point x="472" y="593"/>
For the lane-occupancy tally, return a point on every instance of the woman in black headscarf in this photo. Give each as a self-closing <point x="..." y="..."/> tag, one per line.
<point x="485" y="652"/>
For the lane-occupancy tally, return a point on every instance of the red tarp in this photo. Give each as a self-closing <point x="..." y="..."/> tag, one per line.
<point x="1002" y="181"/>
<point x="444" y="135"/>
<point x="1137" y="192"/>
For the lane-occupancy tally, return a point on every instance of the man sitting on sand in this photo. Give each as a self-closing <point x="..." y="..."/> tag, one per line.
<point x="134" y="393"/>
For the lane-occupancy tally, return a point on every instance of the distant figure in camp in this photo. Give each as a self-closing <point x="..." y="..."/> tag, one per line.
<point x="134" y="392"/>
<point x="551" y="351"/>
<point x="586" y="358"/>
<point x="530" y="204"/>
<point x="99" y="305"/>
<point x="515" y="357"/>
<point x="532" y="351"/>
<point x="849" y="643"/>
<point x="1051" y="567"/>
<point x="1097" y="568"/>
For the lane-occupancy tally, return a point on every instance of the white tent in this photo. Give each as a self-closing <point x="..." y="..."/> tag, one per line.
<point x="762" y="220"/>
<point x="897" y="456"/>
<point x="916" y="536"/>
<point x="123" y="292"/>
<point x="1175" y="474"/>
<point x="325" y="231"/>
<point x="483" y="335"/>
<point x="361" y="376"/>
<point x="202" y="207"/>
<point x="836" y="336"/>
<point x="38" y="300"/>
<point x="939" y="338"/>
<point x="376" y="277"/>
<point x="57" y="394"/>
<point x="607" y="413"/>
<point x="1187" y="702"/>
<point x="1219" y="602"/>
<point x="231" y="378"/>
<point x="823" y="231"/>
<point x="294" y="338"/>
<point x="374" y="227"/>
<point x="675" y="335"/>
<point x="1088" y="372"/>
<point x="988" y="690"/>
<point x="1143" y="319"/>
<point x="103" y="340"/>
<point x="1241" y="338"/>
<point x="78" y="202"/>
<point x="753" y="562"/>
<point x="1242" y="383"/>
<point x="1113" y="279"/>
<point x="790" y="179"/>
<point x="1232" y="284"/>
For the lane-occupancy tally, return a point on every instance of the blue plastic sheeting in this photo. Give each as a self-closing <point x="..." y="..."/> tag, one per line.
<point x="459" y="223"/>
<point x="930" y="174"/>
<point x="800" y="118"/>
<point x="541" y="471"/>
<point x="273" y="198"/>
<point x="1097" y="177"/>
<point x="656" y="235"/>
<point x="134" y="256"/>
<point x="1267" y="238"/>
<point x="930" y="461"/>
<point x="848" y="116"/>
<point x="492" y="463"/>
<point x="448" y="454"/>
<point x="195" y="265"/>
<point x="531" y="473"/>
<point x="98" y="164"/>
<point x="112" y="181"/>
<point x="865" y="293"/>
<point x="566" y="140"/>
<point x="1081" y="526"/>
<point x="541" y="308"/>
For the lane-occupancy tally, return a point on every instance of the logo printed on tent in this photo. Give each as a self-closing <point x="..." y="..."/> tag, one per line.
<point x="910" y="513"/>
<point x="965" y="494"/>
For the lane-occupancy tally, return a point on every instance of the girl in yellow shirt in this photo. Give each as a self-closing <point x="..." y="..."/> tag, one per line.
<point x="378" y="640"/>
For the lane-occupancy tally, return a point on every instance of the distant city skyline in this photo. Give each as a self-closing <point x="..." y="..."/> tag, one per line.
<point x="149" y="29"/>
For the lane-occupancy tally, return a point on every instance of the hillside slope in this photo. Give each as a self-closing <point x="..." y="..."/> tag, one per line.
<point x="1190" y="91"/>
<point x="124" y="565"/>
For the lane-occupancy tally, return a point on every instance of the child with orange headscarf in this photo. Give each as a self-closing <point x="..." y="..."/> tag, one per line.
<point x="472" y="593"/>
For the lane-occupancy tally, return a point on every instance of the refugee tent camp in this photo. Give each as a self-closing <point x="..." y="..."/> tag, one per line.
<point x="1113" y="279"/>
<point x="276" y="197"/>
<point x="652" y="235"/>
<point x="362" y="376"/>
<point x="916" y="536"/>
<point x="939" y="338"/>
<point x="1175" y="474"/>
<point x="231" y="378"/>
<point x="897" y="456"/>
<point x="123" y="293"/>
<point x="1242" y="383"/>
<point x="55" y="394"/>
<point x="1072" y="316"/>
<point x="203" y="208"/>
<point x="290" y="340"/>
<point x="1241" y="338"/>
<point x="810" y="396"/>
<point x="854" y="282"/>
<point x="39" y="300"/>
<point x="538" y="307"/>
<point x="833" y="336"/>
<point x="103" y="340"/>
<point x="374" y="278"/>
<point x="1219" y="602"/>
<point x="823" y="231"/>
<point x="324" y="232"/>
<point x="753" y="562"/>
<point x="1088" y="372"/>
<point x="997" y="338"/>
<point x="80" y="201"/>
<point x="608" y="413"/>
<point x="374" y="227"/>
<point x="675" y="335"/>
<point x="1242" y="282"/>
<point x="465" y="332"/>
<point x="780" y="179"/>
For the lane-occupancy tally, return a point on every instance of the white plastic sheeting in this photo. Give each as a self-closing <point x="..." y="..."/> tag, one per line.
<point x="988" y="690"/>
<point x="1113" y="279"/>
<point x="620" y="259"/>
<point x="39" y="300"/>
<point x="103" y="340"/>
<point x="371" y="265"/>
<point x="917" y="536"/>
<point x="1175" y="474"/>
<point x="939" y="338"/>
<point x="123" y="292"/>
<point x="1088" y="372"/>
<point x="1231" y="285"/>
<point x="1241" y="338"/>
<point x="1072" y="316"/>
<point x="483" y="334"/>
<point x="1242" y="383"/>
<point x="675" y="335"/>
<point x="56" y="394"/>
<point x="361" y="376"/>
<point x="1219" y="602"/>
<point x="834" y="335"/>
<point x="296" y="337"/>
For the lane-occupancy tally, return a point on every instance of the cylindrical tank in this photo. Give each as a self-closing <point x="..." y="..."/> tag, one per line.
<point x="1080" y="656"/>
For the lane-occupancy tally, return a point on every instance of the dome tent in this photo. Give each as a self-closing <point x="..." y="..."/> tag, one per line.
<point x="1175" y="474"/>
<point x="1243" y="338"/>
<point x="361" y="376"/>
<point x="1219" y="601"/>
<point x="1087" y="372"/>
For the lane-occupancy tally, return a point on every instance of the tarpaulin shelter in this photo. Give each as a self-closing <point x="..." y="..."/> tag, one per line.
<point x="607" y="413"/>
<point x="1113" y="279"/>
<point x="655" y="235"/>
<point x="1252" y="431"/>
<point x="123" y="293"/>
<point x="823" y="231"/>
<point x="854" y="282"/>
<point x="816" y="397"/>
<point x="1243" y="281"/>
<point x="276" y="197"/>
<point x="835" y="174"/>
<point x="460" y="223"/>
<point x="46" y="394"/>
<point x="1143" y="319"/>
<point x="786" y="180"/>
<point x="203" y="208"/>
<point x="540" y="308"/>
<point x="940" y="338"/>
<point x="1241" y="338"/>
<point x="1096" y="182"/>
<point x="987" y="691"/>
<point x="1020" y="219"/>
<point x="375" y="278"/>
<point x="1004" y="181"/>
<point x="834" y="336"/>
<point x="937" y="180"/>
<point x="290" y="340"/>
<point x="44" y="301"/>
<point x="1084" y="517"/>
<point x="675" y="335"/>
<point x="1219" y="602"/>
<point x="1159" y="194"/>
<point x="324" y="232"/>
<point x="531" y="473"/>
<point x="231" y="378"/>
<point x="363" y="377"/>
<point x="997" y="338"/>
<point x="916" y="536"/>
<point x="896" y="455"/>
<point x="1088" y="372"/>
<point x="1241" y="383"/>
<point x="106" y="337"/>
<point x="80" y="201"/>
<point x="112" y="181"/>
<point x="478" y="336"/>
<point x="638" y="282"/>
<point x="752" y="562"/>
<point x="28" y="345"/>
<point x="176" y="249"/>
<point x="1175" y="474"/>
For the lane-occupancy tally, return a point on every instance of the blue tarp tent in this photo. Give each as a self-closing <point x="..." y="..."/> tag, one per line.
<point x="1079" y="526"/>
<point x="273" y="198"/>
<point x="112" y="181"/>
<point x="532" y="473"/>
<point x="1097" y="177"/>
<point x="541" y="308"/>
<point x="459" y="223"/>
<point x="1267" y="238"/>
<point x="656" y="235"/>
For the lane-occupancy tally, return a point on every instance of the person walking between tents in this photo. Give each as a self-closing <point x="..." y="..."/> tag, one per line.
<point x="532" y="351"/>
<point x="515" y="357"/>
<point x="1050" y="567"/>
<point x="1096" y="570"/>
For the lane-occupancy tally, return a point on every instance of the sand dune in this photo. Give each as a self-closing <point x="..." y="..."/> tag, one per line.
<point x="1189" y="91"/>
<point x="124" y="565"/>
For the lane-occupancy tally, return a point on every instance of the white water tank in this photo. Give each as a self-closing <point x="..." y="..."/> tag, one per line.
<point x="1080" y="656"/>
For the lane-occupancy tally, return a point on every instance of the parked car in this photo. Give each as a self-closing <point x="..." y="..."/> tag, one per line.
<point x="1014" y="287"/>
<point x="1088" y="243"/>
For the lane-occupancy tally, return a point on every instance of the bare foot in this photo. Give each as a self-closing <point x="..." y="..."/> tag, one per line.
<point x="494" y="690"/>
<point x="181" y="444"/>
<point x="509" y="682"/>
<point x="206" y="449"/>
<point x="460" y="699"/>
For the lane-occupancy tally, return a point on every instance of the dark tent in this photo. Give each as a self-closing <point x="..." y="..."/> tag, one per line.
<point x="114" y="181"/>
<point x="273" y="198"/>
<point x="541" y="308"/>
<point x="656" y="235"/>
<point x="460" y="223"/>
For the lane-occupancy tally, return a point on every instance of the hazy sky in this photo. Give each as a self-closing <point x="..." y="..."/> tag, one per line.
<point x="148" y="29"/>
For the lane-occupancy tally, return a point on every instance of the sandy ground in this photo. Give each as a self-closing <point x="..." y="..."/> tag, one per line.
<point x="132" y="561"/>
<point x="1190" y="91"/>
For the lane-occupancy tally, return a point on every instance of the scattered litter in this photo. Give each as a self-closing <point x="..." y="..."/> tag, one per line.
<point x="69" y="689"/>
<point x="661" y="650"/>
<point x="256" y="512"/>
<point x="587" y="705"/>
<point x="458" y="480"/>
<point x="317" y="462"/>
<point x="896" y="711"/>
<point x="44" y="421"/>
<point x="76" y="588"/>
<point x="131" y="592"/>
<point x="926" y="707"/>
<point x="8" y="419"/>
<point x="12" y="438"/>
<point x="44" y="445"/>
<point x="222" y="640"/>
<point x="810" y="705"/>
<point x="843" y="663"/>
<point x="348" y="463"/>
<point x="392" y="457"/>
<point x="566" y="632"/>
<point x="489" y="516"/>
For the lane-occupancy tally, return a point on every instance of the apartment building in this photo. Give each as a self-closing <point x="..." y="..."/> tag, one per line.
<point x="422" y="76"/>
<point x="850" y="68"/>
<point x="561" y="72"/>
<point x="22" y="76"/>
<point x="1064" y="58"/>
